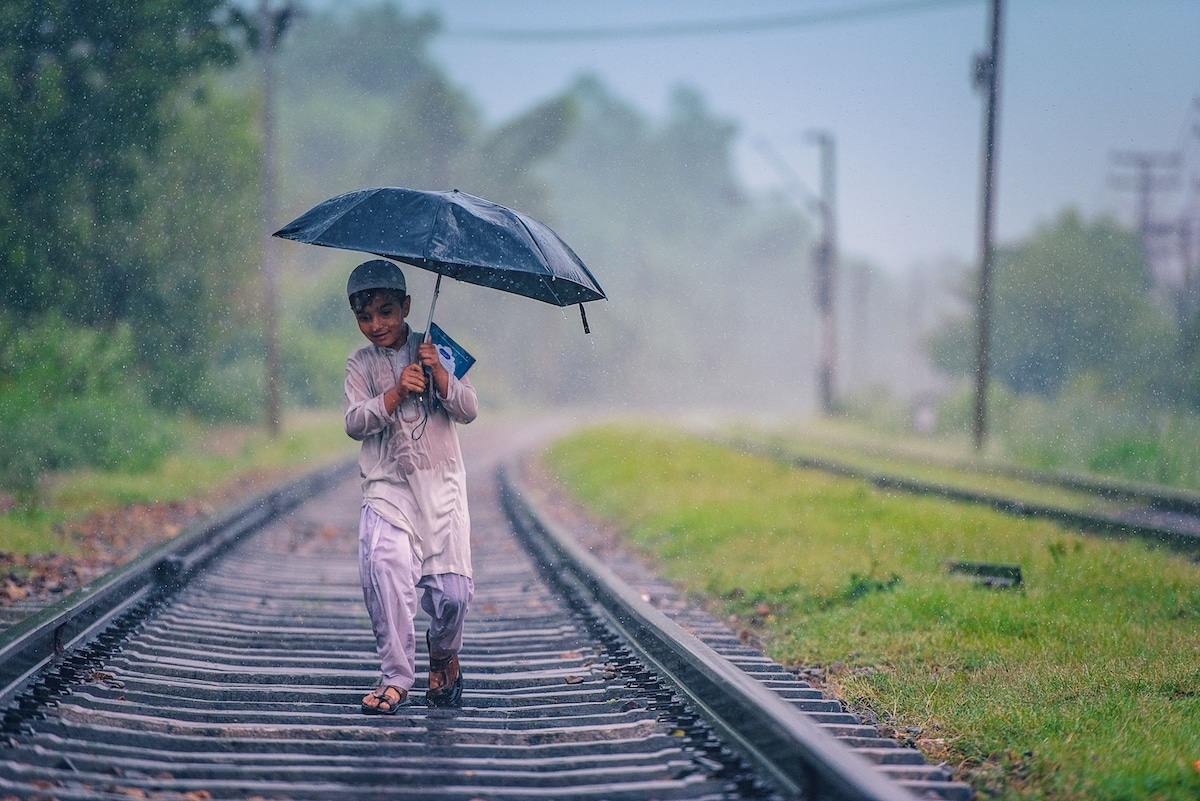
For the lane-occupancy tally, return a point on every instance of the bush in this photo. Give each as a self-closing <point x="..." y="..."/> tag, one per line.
<point x="69" y="398"/>
<point x="1086" y="429"/>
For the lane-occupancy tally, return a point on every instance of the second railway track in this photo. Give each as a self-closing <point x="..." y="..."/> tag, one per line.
<point x="245" y="683"/>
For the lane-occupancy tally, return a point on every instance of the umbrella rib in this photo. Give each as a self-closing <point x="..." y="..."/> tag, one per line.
<point x="548" y="284"/>
<point x="443" y="201"/>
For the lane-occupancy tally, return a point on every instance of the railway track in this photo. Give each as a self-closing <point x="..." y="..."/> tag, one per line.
<point x="231" y="664"/>
<point x="1160" y="515"/>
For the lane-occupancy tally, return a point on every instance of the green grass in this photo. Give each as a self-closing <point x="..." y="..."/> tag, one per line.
<point x="1084" y="683"/>
<point x="210" y="460"/>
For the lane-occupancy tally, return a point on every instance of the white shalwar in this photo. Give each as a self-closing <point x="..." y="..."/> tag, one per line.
<point x="415" y="530"/>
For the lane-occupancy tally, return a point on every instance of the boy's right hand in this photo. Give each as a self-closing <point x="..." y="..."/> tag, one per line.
<point x="412" y="380"/>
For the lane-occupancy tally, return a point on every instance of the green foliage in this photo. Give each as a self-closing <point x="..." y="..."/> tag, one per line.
<point x="1018" y="690"/>
<point x="1072" y="298"/>
<point x="83" y="99"/>
<point x="1184" y="381"/>
<point x="129" y="191"/>
<point x="207" y="464"/>
<point x="1087" y="429"/>
<point x="320" y="334"/>
<point x="67" y="401"/>
<point x="200" y="233"/>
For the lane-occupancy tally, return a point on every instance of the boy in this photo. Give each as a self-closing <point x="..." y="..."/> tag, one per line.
<point x="414" y="533"/>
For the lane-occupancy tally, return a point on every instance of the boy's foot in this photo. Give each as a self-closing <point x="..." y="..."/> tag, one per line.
<point x="445" y="679"/>
<point x="384" y="700"/>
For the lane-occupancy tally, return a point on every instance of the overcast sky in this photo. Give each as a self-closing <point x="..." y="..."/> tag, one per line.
<point x="1080" y="79"/>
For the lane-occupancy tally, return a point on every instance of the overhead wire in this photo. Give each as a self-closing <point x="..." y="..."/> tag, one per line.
<point x="706" y="27"/>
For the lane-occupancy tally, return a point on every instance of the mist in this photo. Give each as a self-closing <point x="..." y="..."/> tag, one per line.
<point x="711" y="287"/>
<point x="134" y="219"/>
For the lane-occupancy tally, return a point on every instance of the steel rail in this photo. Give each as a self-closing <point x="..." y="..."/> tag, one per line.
<point x="31" y="644"/>
<point x="231" y="660"/>
<point x="1096" y="522"/>
<point x="246" y="682"/>
<point x="805" y="761"/>
<point x="1156" y="496"/>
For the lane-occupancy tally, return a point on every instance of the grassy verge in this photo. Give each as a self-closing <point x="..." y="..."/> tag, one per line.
<point x="217" y="463"/>
<point x="1084" y="683"/>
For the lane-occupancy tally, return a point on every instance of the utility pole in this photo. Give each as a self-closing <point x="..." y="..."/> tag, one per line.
<point x="859" y="374"/>
<point x="987" y="79"/>
<point x="1153" y="172"/>
<point x="825" y="254"/>
<point x="271" y="23"/>
<point x="1186" y="304"/>
<point x="826" y="258"/>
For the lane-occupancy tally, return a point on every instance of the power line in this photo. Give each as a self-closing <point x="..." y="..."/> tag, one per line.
<point x="706" y="27"/>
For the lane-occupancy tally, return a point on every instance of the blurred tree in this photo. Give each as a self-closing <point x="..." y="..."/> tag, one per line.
<point x="66" y="401"/>
<point x="695" y="169"/>
<point x="405" y="125"/>
<point x="503" y="161"/>
<point x="1070" y="299"/>
<point x="358" y="50"/>
<point x="1185" y="378"/>
<point x="654" y="207"/>
<point x="362" y="104"/>
<point x="427" y="131"/>
<point x="82" y="108"/>
<point x="199" y="237"/>
<point x="702" y="278"/>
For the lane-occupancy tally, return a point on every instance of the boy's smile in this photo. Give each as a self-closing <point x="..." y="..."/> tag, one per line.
<point x="382" y="321"/>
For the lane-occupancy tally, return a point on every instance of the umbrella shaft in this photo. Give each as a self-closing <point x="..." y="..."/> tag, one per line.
<point x="437" y="288"/>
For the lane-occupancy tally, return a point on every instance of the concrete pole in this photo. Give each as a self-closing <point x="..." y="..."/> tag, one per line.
<point x="987" y="78"/>
<point x="267" y="26"/>
<point x="827" y="274"/>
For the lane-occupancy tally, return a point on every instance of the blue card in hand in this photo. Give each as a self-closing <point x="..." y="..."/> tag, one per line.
<point x="452" y="355"/>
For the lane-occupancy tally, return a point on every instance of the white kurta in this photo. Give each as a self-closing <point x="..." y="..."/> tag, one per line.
<point x="418" y="485"/>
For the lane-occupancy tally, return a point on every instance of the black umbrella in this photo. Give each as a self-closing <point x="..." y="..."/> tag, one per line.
<point x="455" y="234"/>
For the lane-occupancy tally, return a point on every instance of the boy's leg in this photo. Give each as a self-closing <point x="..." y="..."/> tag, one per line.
<point x="445" y="599"/>
<point x="389" y="572"/>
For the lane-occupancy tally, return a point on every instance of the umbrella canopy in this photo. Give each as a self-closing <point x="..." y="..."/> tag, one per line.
<point x="453" y="234"/>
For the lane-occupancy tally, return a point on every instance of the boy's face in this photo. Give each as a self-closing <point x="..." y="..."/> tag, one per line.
<point x="382" y="321"/>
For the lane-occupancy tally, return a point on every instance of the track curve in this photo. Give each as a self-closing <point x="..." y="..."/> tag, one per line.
<point x="237" y="672"/>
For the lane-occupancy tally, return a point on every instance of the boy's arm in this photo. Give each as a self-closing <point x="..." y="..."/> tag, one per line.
<point x="365" y="414"/>
<point x="460" y="400"/>
<point x="457" y="395"/>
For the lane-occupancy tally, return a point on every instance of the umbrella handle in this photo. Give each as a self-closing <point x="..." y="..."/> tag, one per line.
<point x="437" y="288"/>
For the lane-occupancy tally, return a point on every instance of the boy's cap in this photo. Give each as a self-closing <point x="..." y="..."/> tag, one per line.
<point x="375" y="274"/>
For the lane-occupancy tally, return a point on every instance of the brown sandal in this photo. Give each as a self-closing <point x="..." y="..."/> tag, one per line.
<point x="382" y="698"/>
<point x="443" y="691"/>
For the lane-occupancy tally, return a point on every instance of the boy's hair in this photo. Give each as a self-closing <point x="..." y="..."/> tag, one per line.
<point x="359" y="301"/>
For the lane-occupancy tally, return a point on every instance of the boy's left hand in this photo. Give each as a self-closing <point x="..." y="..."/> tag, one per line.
<point x="427" y="355"/>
